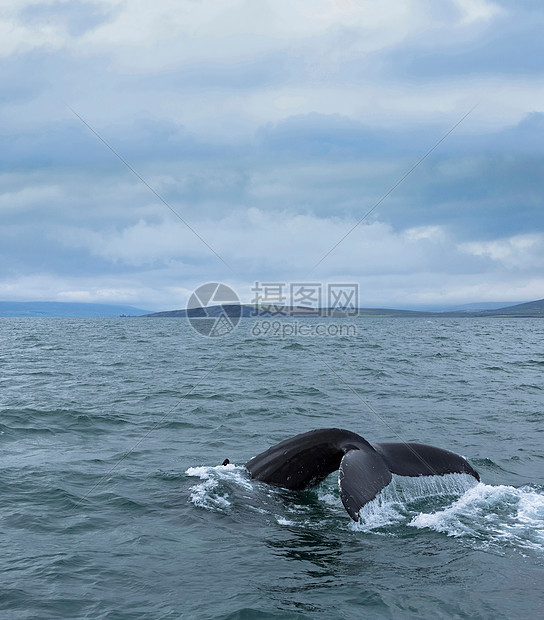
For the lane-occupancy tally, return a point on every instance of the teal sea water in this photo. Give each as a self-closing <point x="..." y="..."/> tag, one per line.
<point x="114" y="503"/>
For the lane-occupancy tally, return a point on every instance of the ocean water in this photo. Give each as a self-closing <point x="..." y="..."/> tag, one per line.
<point x="115" y="505"/>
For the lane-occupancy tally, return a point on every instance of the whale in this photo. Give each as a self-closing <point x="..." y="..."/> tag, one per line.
<point x="363" y="469"/>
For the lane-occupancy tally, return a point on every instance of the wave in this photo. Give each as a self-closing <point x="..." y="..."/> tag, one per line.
<point x="484" y="516"/>
<point x="496" y="516"/>
<point x="211" y="494"/>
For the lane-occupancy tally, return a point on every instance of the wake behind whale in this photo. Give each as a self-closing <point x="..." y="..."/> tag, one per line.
<point x="364" y="469"/>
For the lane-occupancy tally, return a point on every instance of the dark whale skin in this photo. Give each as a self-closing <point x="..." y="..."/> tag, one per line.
<point x="364" y="470"/>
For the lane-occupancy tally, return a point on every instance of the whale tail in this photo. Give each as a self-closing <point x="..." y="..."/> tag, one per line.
<point x="418" y="459"/>
<point x="364" y="470"/>
<point x="362" y="475"/>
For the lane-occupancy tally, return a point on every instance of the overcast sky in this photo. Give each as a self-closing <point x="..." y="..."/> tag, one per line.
<point x="271" y="128"/>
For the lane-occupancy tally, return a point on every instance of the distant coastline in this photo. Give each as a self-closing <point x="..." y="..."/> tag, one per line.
<point x="532" y="309"/>
<point x="57" y="309"/>
<point x="43" y="309"/>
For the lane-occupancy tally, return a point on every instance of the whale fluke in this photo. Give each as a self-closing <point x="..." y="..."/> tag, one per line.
<point x="364" y="470"/>
<point x="418" y="459"/>
<point x="362" y="475"/>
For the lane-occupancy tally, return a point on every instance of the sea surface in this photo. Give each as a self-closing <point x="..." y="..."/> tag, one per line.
<point x="114" y="503"/>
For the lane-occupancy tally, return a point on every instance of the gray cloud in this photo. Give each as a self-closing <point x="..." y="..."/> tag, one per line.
<point x="271" y="137"/>
<point x="75" y="17"/>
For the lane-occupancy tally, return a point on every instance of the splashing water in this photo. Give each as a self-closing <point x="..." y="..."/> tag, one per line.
<point x="494" y="515"/>
<point x="214" y="492"/>
<point x="487" y="516"/>
<point x="394" y="503"/>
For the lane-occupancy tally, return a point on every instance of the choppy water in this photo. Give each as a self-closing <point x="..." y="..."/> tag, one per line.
<point x="170" y="533"/>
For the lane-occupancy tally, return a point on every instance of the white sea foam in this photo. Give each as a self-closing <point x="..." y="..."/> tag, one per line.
<point x="206" y="495"/>
<point x="489" y="516"/>
<point x="235" y="473"/>
<point x="383" y="511"/>
<point x="214" y="492"/>
<point x="329" y="498"/>
<point x="495" y="515"/>
<point x="284" y="521"/>
<point x="392" y="504"/>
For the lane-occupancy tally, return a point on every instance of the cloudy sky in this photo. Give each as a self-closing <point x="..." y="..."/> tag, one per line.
<point x="271" y="127"/>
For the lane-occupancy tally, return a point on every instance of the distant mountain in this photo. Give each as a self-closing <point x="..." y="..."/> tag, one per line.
<point x="249" y="310"/>
<point x="81" y="310"/>
<point x="530" y="309"/>
<point x="235" y="310"/>
<point x="478" y="306"/>
<point x="65" y="310"/>
<point x="470" y="307"/>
